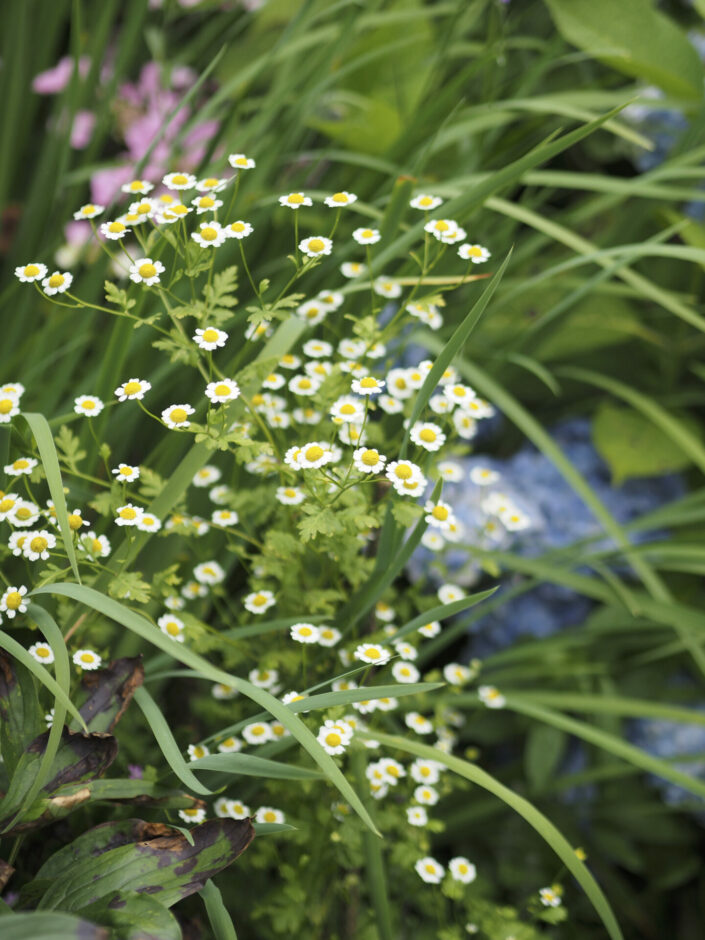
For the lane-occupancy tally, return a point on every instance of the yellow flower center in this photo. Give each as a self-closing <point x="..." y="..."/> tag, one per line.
<point x="181" y="209"/>
<point x="425" y="201"/>
<point x="75" y="521"/>
<point x="211" y="181"/>
<point x="56" y="280"/>
<point x="131" y="388"/>
<point x="290" y="493"/>
<point x="440" y="513"/>
<point x="172" y="628"/>
<point x="348" y="409"/>
<point x="206" y="202"/>
<point x="13" y="600"/>
<point x="136" y="185"/>
<point x="222" y="389"/>
<point x="166" y="198"/>
<point x="259" y="600"/>
<point x="403" y="472"/>
<point x="241" y="161"/>
<point x="88" y="404"/>
<point x="6" y="406"/>
<point x="295" y="199"/>
<point x="367" y="233"/>
<point x="210" y="335"/>
<point x="339" y="197"/>
<point x="316" y="244"/>
<point x="21" y="464"/>
<point x="368" y="382"/>
<point x="178" y="415"/>
<point x="431" y="869"/>
<point x="312" y="312"/>
<point x="144" y="207"/>
<point x="209" y="234"/>
<point x="38" y="543"/>
<point x="427" y="435"/>
<point x="43" y="652"/>
<point x="313" y="453"/>
<point x="147" y="270"/>
<point x="31" y="270"/>
<point x="89" y="209"/>
<point x="179" y="179"/>
<point x="96" y="545"/>
<point x="270" y="817"/>
<point x="305" y="631"/>
<point x="237" y="227"/>
<point x="128" y="513"/>
<point x="198" y="751"/>
<point x="6" y="504"/>
<point x="228" y="742"/>
<point x="305" y="383"/>
<point x="370" y="458"/>
<point x="372" y="653"/>
<point x="333" y="739"/>
<point x="442" y="226"/>
<point x="258" y="730"/>
<point x="191" y="812"/>
<point x="411" y="484"/>
<point x="474" y="251"/>
<point x="24" y="513"/>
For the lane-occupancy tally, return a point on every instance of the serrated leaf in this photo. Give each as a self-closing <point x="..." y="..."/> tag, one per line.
<point x="130" y="586"/>
<point x="69" y="447"/>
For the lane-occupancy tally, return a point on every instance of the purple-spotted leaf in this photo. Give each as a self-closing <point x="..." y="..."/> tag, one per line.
<point x="133" y="916"/>
<point x="109" y="691"/>
<point x="50" y="926"/>
<point x="164" y="865"/>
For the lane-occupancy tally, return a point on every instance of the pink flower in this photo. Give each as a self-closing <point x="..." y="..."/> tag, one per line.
<point x="56" y="79"/>
<point x="82" y="129"/>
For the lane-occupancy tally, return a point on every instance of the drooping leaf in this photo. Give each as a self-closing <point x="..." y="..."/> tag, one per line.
<point x="21" y="718"/>
<point x="109" y="692"/>
<point x="133" y="916"/>
<point x="50" y="926"/>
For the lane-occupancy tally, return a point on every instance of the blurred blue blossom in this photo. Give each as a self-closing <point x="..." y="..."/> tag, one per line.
<point x="668" y="740"/>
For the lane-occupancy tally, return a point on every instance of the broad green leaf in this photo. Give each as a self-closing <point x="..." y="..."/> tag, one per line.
<point x="142" y="627"/>
<point x="633" y="446"/>
<point x="166" y="867"/>
<point x="525" y="809"/>
<point x="21" y="719"/>
<point x="108" y="692"/>
<point x="252" y="766"/>
<point x="133" y="916"/>
<point x="50" y="926"/>
<point x="542" y="752"/>
<point x="633" y="37"/>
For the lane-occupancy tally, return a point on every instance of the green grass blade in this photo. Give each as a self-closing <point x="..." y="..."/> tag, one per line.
<point x="218" y="916"/>
<point x="41" y="432"/>
<point x="252" y="766"/>
<point x="11" y="646"/>
<point x="525" y="809"/>
<point x="443" y="611"/>
<point x="167" y="743"/>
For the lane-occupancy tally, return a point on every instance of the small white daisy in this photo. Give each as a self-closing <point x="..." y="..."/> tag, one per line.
<point x="57" y="283"/>
<point x="315" y="246"/>
<point x="88" y="405"/>
<point x="146" y="271"/>
<point x="366" y="236"/>
<point x="132" y="389"/>
<point x="429" y="870"/>
<point x="304" y="633"/>
<point x="338" y="200"/>
<point x="177" y="416"/>
<point x="28" y="273"/>
<point x="238" y="161"/>
<point x="87" y="660"/>
<point x="425" y="202"/>
<point x="210" y="235"/>
<point x="259" y="601"/>
<point x="179" y="181"/>
<point x="295" y="200"/>
<point x="42" y="652"/>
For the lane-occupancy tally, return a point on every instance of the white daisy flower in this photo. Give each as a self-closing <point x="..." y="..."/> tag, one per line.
<point x="145" y="209"/>
<point x="405" y="672"/>
<point x="179" y="180"/>
<point x="37" y="544"/>
<point x="177" y="416"/>
<point x="206" y="476"/>
<point x="28" y="273"/>
<point x="206" y="204"/>
<point x="13" y="602"/>
<point x="224" y="517"/>
<point x="333" y="299"/>
<point x="328" y="636"/>
<point x="88" y="660"/>
<point x="172" y="626"/>
<point x="427" y="435"/>
<point x="258" y="732"/>
<point x="367" y="385"/>
<point x="148" y="522"/>
<point x="338" y="200"/>
<point x="96" y="545"/>
<point x="264" y="678"/>
<point x="457" y="674"/>
<point x="425" y="202"/>
<point x="451" y="471"/>
<point x="366" y="460"/>
<point x="222" y="390"/>
<point x="268" y="815"/>
<point x="429" y="870"/>
<point x="372" y="653"/>
<point x="197" y="751"/>
<point x="132" y="389"/>
<point x="352" y="269"/>
<point x="212" y="184"/>
<point x="465" y="425"/>
<point x="426" y="795"/>
<point x="386" y="287"/>
<point x="146" y="271"/>
<point x="210" y="235"/>
<point x="194" y="817"/>
<point x="439" y="514"/>
<point x="238" y="229"/>
<point x="57" y="283"/>
<point x="448" y="593"/>
<point x="303" y="385"/>
<point x="441" y="228"/>
<point x="209" y="572"/>
<point x="425" y="771"/>
<point x="347" y="409"/>
<point x="21" y="513"/>
<point x="137" y="186"/>
<point x="550" y="897"/>
<point x="418" y="723"/>
<point x="334" y="736"/>
<point x="210" y="338"/>
<point x="42" y="653"/>
<point x="290" y="495"/>
<point x="230" y="746"/>
<point x="475" y="253"/>
<point x="366" y="236"/>
<point x="483" y="476"/>
<point x="88" y="405"/>
<point x="304" y="633"/>
<point x="222" y="692"/>
<point x="21" y="466"/>
<point x="128" y="515"/>
<point x="491" y="697"/>
<point x="295" y="200"/>
<point x="315" y="246"/>
<point x="416" y="816"/>
<point x="390" y="405"/>
<point x="238" y="161"/>
<point x="431" y="629"/>
<point x="259" y="601"/>
<point x="462" y="870"/>
<point x="239" y="810"/>
<point x="125" y="473"/>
